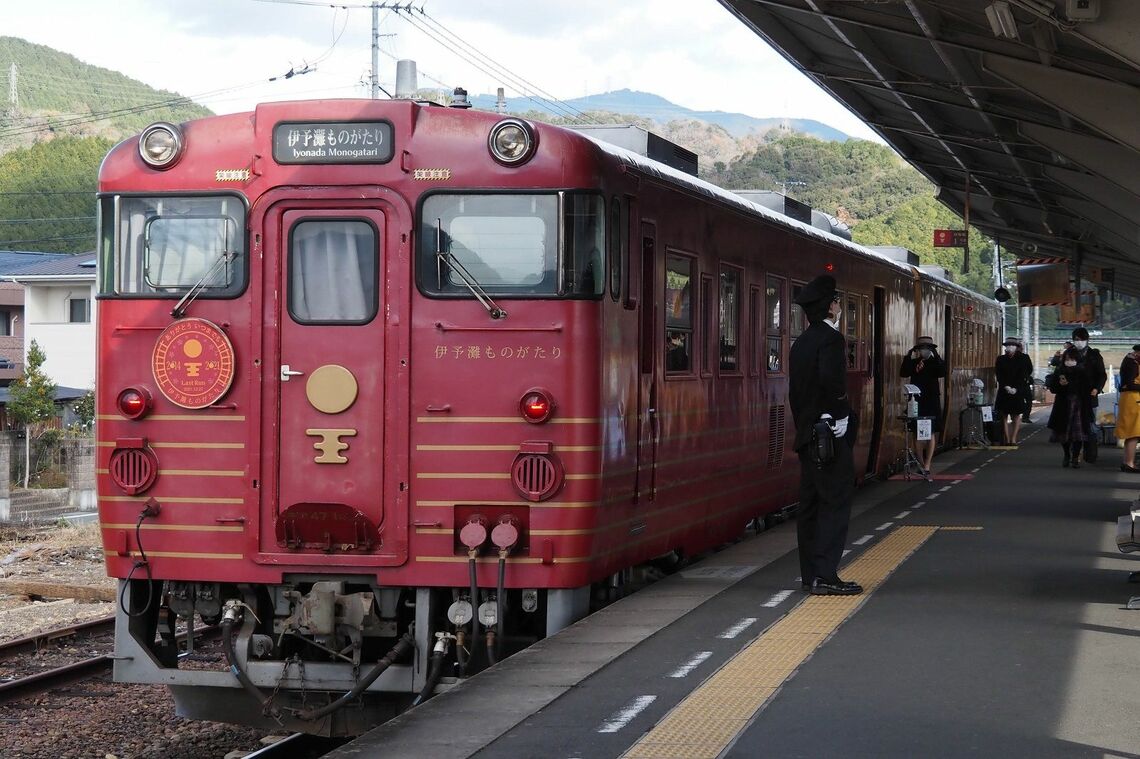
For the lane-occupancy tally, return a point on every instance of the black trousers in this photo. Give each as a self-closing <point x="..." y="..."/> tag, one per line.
<point x="824" y="514"/>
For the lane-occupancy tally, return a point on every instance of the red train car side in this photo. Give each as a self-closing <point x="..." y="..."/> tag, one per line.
<point x="387" y="388"/>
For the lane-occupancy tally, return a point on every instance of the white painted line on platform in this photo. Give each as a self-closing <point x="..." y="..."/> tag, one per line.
<point x="943" y="490"/>
<point x="932" y="496"/>
<point x="777" y="599"/>
<point x="687" y="667"/>
<point x="975" y="470"/>
<point x="626" y="715"/>
<point x="902" y="515"/>
<point x="845" y="552"/>
<point x="956" y="482"/>
<point x="918" y="505"/>
<point x="883" y="526"/>
<point x="862" y="540"/>
<point x="738" y="628"/>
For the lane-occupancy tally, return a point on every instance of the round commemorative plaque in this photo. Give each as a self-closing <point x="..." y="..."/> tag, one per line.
<point x="193" y="363"/>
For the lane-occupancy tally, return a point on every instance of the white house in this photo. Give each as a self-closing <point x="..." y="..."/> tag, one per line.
<point x="59" y="314"/>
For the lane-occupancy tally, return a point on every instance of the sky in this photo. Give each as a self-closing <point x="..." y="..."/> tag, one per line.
<point x="223" y="53"/>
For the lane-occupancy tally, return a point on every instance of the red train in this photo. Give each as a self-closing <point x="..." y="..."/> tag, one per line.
<point x="386" y="388"/>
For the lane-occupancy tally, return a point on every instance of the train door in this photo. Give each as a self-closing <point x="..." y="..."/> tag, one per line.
<point x="875" y="366"/>
<point x="333" y="390"/>
<point x="649" y="339"/>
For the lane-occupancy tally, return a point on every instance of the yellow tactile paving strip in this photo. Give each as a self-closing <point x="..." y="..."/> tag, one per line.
<point x="702" y="725"/>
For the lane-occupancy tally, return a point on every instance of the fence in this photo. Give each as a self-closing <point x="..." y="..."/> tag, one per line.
<point x="61" y="479"/>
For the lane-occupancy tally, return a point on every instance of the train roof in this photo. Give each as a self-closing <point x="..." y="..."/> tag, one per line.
<point x="700" y="186"/>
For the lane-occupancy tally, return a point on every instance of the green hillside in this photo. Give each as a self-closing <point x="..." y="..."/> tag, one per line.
<point x="67" y="115"/>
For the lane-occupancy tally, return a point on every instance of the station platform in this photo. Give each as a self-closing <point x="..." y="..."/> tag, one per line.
<point x="993" y="624"/>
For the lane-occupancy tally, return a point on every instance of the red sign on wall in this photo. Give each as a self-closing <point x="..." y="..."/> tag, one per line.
<point x="950" y="238"/>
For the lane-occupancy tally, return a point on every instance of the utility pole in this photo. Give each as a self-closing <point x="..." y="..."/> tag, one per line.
<point x="375" y="50"/>
<point x="13" y="93"/>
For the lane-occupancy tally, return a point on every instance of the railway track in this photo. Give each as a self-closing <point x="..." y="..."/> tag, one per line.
<point x="298" y="746"/>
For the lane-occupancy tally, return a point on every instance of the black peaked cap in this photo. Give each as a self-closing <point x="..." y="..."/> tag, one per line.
<point x="822" y="288"/>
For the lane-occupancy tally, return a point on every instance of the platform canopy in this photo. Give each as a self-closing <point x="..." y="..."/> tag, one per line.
<point x="1034" y="105"/>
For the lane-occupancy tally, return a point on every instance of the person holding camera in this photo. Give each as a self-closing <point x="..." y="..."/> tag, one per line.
<point x="925" y="367"/>
<point x="818" y="392"/>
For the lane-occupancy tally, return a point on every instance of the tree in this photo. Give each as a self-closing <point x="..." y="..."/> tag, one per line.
<point x="32" y="401"/>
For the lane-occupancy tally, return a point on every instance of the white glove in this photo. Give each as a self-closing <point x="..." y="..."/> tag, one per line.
<point x="838" y="426"/>
<point x="1011" y="390"/>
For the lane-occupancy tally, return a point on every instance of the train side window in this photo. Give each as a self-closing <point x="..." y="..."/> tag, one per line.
<point x="618" y="235"/>
<point x="755" y="329"/>
<point x="678" y="314"/>
<point x="799" y="318"/>
<point x="332" y="272"/>
<point x="774" y="324"/>
<point x="729" y="340"/>
<point x="852" y="329"/>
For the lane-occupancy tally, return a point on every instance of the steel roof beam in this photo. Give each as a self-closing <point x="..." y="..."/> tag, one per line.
<point x="1110" y="160"/>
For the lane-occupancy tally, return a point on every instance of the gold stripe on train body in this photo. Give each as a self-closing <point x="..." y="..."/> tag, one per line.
<point x="502" y="420"/>
<point x="192" y="472"/>
<point x="711" y="717"/>
<point x="171" y="499"/>
<point x="180" y="555"/>
<point x="529" y="504"/>
<point x="490" y="476"/>
<point x="173" y="527"/>
<point x="157" y="444"/>
<point x="174" y="418"/>
<point x="504" y="448"/>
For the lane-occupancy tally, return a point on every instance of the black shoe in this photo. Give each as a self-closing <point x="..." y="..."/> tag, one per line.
<point x="1126" y="468"/>
<point x="1076" y="464"/>
<point x="1065" y="462"/>
<point x="835" y="588"/>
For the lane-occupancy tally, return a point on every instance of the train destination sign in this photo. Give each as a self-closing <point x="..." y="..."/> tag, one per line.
<point x="950" y="238"/>
<point x="332" y="142"/>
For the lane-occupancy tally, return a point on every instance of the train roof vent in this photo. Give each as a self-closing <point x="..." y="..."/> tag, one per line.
<point x="830" y="224"/>
<point x="643" y="142"/>
<point x="936" y="271"/>
<point x="896" y="253"/>
<point x="779" y="203"/>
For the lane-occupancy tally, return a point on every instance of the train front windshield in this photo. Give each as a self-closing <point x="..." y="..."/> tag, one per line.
<point x="164" y="246"/>
<point x="510" y="244"/>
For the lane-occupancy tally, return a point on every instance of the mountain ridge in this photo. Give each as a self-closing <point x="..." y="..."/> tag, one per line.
<point x="661" y="110"/>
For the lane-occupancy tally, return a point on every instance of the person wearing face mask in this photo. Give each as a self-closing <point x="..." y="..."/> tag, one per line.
<point x="925" y="367"/>
<point x="1128" y="416"/>
<point x="1070" y="421"/>
<point x="1014" y="372"/>
<point x="1091" y="363"/>
<point x="817" y="380"/>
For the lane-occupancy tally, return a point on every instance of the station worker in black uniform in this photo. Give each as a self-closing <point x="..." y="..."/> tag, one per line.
<point x="925" y="367"/>
<point x="818" y="391"/>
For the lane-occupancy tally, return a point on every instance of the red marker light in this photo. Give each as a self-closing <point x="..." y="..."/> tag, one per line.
<point x="536" y="406"/>
<point x="829" y="267"/>
<point x="133" y="402"/>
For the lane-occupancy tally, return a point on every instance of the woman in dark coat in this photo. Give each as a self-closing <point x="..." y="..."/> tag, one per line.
<point x="1014" y="372"/>
<point x="1071" y="417"/>
<point x="925" y="367"/>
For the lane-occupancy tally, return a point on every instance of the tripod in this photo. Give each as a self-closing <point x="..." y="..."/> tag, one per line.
<point x="911" y="465"/>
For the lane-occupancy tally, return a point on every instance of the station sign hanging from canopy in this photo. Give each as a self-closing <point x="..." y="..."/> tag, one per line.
<point x="950" y="238"/>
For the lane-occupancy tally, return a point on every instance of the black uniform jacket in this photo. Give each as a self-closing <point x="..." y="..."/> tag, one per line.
<point x="817" y="379"/>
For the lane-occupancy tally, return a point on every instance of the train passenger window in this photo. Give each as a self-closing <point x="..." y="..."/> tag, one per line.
<point x="618" y="257"/>
<point x="852" y="328"/>
<point x="165" y="245"/>
<point x="774" y="308"/>
<point x="678" y="314"/>
<point x="332" y="272"/>
<point x="799" y="320"/>
<point x="729" y="320"/>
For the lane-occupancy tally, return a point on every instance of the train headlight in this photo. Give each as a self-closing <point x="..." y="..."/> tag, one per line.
<point x="134" y="402"/>
<point x="512" y="142"/>
<point x="536" y="406"/>
<point x="160" y="145"/>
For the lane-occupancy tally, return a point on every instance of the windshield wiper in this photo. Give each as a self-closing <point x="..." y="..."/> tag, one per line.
<point x="453" y="263"/>
<point x="191" y="294"/>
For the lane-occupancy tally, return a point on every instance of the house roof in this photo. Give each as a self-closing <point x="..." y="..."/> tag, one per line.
<point x="12" y="261"/>
<point x="62" y="394"/>
<point x="78" y="266"/>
